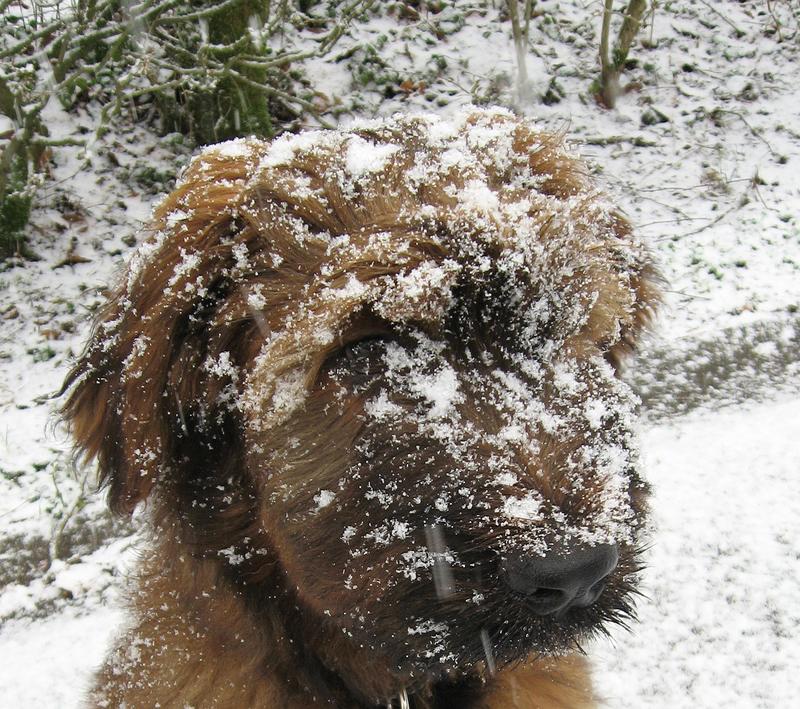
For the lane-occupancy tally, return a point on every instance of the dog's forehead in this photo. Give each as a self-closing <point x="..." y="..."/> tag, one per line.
<point x="438" y="206"/>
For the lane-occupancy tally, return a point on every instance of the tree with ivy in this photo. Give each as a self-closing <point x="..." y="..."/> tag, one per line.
<point x="211" y="69"/>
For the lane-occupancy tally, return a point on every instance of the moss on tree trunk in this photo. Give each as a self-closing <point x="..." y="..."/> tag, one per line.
<point x="15" y="200"/>
<point x="232" y="108"/>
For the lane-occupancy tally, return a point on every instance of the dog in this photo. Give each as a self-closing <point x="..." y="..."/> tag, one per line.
<point x="365" y="386"/>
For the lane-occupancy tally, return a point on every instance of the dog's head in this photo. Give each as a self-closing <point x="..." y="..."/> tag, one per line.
<point x="390" y="356"/>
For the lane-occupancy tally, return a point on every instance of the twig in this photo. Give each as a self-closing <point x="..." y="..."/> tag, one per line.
<point x="272" y="91"/>
<point x="739" y="33"/>
<point x="205" y="12"/>
<point x="677" y="220"/>
<point x="702" y="185"/>
<point x="349" y="12"/>
<point x="713" y="222"/>
<point x="749" y="127"/>
<point x="520" y="45"/>
<point x="694" y="296"/>
<point x="605" y="63"/>
<point x="615" y="139"/>
<point x="16" y="50"/>
<point x="57" y="142"/>
<point x="54" y="548"/>
<point x="775" y="21"/>
<point x="754" y="185"/>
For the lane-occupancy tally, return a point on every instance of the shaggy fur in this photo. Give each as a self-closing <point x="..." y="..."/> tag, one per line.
<point x="350" y="373"/>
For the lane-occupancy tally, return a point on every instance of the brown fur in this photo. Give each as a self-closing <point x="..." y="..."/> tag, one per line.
<point x="241" y="598"/>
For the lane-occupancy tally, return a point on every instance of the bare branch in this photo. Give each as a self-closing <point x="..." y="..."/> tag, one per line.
<point x="205" y="12"/>
<point x="611" y="67"/>
<point x="520" y="45"/>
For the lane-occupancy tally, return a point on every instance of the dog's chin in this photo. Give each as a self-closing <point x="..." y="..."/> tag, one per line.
<point x="483" y="642"/>
<point x="533" y="635"/>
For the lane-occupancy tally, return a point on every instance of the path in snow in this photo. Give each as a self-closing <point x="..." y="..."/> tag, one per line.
<point x="720" y="625"/>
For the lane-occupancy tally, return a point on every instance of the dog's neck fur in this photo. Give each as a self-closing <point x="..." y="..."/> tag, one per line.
<point x="191" y="645"/>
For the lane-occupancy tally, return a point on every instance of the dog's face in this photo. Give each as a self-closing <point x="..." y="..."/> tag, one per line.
<point x="384" y="363"/>
<point x="419" y="466"/>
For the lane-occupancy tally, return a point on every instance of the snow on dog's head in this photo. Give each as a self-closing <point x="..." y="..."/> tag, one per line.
<point x="389" y="356"/>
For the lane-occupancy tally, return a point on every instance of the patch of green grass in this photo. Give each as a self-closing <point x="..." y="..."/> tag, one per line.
<point x="42" y="354"/>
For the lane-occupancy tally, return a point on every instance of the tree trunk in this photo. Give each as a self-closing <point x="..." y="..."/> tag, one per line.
<point x="611" y="67"/>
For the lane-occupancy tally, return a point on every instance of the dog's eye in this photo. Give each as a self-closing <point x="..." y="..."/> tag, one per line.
<point x="358" y="359"/>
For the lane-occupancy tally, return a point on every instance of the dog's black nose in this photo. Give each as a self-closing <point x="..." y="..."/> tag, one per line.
<point x="561" y="580"/>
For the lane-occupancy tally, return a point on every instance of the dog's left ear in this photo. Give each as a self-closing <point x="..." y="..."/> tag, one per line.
<point x="647" y="285"/>
<point x="143" y="389"/>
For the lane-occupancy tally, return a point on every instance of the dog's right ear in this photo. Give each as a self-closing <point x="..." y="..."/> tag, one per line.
<point x="140" y="385"/>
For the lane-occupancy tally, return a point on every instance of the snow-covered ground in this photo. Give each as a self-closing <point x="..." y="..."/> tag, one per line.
<point x="69" y="644"/>
<point x="720" y="619"/>
<point x="712" y="184"/>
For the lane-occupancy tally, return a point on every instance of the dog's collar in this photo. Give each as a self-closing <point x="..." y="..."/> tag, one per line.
<point x="402" y="701"/>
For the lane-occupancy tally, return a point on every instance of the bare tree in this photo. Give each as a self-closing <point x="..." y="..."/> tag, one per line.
<point x="519" y="30"/>
<point x="611" y="66"/>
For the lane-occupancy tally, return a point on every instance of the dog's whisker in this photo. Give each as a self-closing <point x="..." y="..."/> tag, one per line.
<point x="442" y="573"/>
<point x="180" y="414"/>
<point x="487" y="651"/>
<point x="261" y="322"/>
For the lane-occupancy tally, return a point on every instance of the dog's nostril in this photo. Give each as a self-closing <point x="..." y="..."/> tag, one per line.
<point x="547" y="594"/>
<point x="591" y="595"/>
<point x="547" y="600"/>
<point x="560" y="580"/>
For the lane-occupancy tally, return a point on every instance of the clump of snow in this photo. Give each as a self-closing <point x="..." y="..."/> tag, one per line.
<point x="324" y="498"/>
<point x="255" y="298"/>
<point x="437" y="642"/>
<point x="388" y="532"/>
<point x="526" y="508"/>
<point x="506" y="478"/>
<point x="233" y="149"/>
<point x="188" y="263"/>
<point x="596" y="411"/>
<point x="381" y="407"/>
<point x="222" y="367"/>
<point x="348" y="534"/>
<point x="175" y="217"/>
<point x="134" y="362"/>
<point x="439" y="388"/>
<point x="364" y="156"/>
<point x="289" y="393"/>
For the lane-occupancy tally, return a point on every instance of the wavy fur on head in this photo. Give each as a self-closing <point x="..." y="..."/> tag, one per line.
<point x="349" y="372"/>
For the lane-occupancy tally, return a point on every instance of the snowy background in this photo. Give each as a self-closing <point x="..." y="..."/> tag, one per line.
<point x="702" y="152"/>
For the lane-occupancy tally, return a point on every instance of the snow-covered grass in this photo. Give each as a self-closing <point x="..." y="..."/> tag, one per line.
<point x="702" y="152"/>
